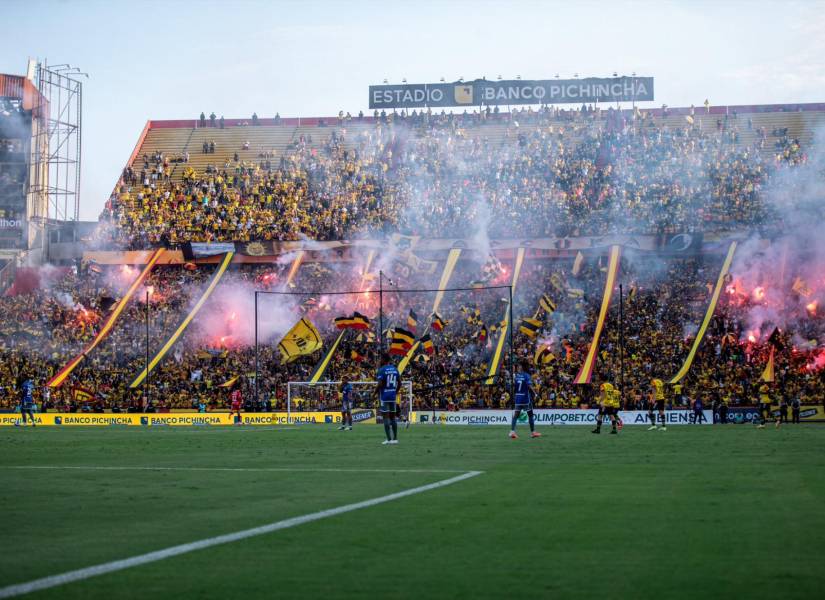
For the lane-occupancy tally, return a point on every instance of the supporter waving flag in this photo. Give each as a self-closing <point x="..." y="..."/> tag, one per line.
<point x="302" y="339"/>
<point x="356" y="321"/>
<point x="547" y="304"/>
<point x="530" y="326"/>
<point x="427" y="344"/>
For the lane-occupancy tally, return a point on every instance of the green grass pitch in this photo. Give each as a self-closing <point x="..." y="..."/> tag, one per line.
<point x="701" y="512"/>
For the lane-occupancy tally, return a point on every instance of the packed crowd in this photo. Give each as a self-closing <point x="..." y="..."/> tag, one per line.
<point x="564" y="173"/>
<point x="554" y="173"/>
<point x="664" y="300"/>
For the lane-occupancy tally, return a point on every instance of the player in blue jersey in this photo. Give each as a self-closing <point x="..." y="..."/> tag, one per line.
<point x="346" y="404"/>
<point x="389" y="380"/>
<point x="523" y="397"/>
<point x="27" y="400"/>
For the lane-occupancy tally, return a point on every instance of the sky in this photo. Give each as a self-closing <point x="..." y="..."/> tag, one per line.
<point x="174" y="59"/>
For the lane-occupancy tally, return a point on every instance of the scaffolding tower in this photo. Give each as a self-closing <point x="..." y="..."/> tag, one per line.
<point x="56" y="156"/>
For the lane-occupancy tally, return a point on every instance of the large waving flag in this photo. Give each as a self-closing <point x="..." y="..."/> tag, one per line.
<point x="302" y="339"/>
<point x="720" y="283"/>
<point x="213" y="283"/>
<point x="586" y="371"/>
<point x="61" y="375"/>
<point x="492" y="370"/>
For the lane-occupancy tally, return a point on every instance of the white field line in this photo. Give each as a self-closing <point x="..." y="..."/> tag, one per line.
<point x="229" y="469"/>
<point x="142" y="559"/>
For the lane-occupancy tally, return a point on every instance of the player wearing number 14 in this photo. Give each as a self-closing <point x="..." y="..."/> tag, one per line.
<point x="389" y="380"/>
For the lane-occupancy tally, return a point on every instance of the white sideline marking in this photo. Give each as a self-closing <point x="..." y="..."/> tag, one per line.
<point x="230" y="469"/>
<point x="142" y="559"/>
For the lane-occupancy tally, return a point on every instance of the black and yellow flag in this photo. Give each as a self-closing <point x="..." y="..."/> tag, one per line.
<point x="401" y="340"/>
<point x="427" y="344"/>
<point x="230" y="382"/>
<point x="530" y="326"/>
<point x="412" y="321"/>
<point x="356" y="321"/>
<point x="438" y="323"/>
<point x="543" y="356"/>
<point x="302" y="339"/>
<point x="80" y="394"/>
<point x="768" y="373"/>
<point x="547" y="304"/>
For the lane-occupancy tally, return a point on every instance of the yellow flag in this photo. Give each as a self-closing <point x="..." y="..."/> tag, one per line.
<point x="768" y="373"/>
<point x="578" y="263"/>
<point x="801" y="288"/>
<point x="302" y="339"/>
<point x="230" y="382"/>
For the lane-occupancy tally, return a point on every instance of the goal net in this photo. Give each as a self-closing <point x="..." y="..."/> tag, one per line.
<point x="305" y="396"/>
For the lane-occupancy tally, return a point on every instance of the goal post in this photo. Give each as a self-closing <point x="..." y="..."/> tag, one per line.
<point x="306" y="396"/>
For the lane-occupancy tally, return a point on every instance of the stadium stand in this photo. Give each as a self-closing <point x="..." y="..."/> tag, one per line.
<point x="544" y="173"/>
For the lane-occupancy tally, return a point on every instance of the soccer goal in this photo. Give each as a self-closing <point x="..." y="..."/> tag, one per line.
<point x="303" y="396"/>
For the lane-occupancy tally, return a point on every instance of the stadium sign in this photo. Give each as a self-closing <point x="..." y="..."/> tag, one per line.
<point x="184" y="419"/>
<point x="552" y="417"/>
<point x="511" y="92"/>
<point x="11" y="224"/>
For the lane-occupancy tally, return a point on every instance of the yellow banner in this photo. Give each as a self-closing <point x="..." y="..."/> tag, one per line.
<point x="216" y="278"/>
<point x="293" y="270"/>
<point x="720" y="283"/>
<point x="61" y="375"/>
<point x="496" y="360"/>
<point x="590" y="360"/>
<point x="321" y="367"/>
<point x="181" y="419"/>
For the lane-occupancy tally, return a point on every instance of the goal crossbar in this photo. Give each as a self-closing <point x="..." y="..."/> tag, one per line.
<point x="304" y="396"/>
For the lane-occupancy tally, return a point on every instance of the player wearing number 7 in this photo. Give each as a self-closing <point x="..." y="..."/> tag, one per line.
<point x="389" y="380"/>
<point x="524" y="400"/>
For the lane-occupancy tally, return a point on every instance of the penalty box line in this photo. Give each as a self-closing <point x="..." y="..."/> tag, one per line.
<point x="223" y="469"/>
<point x="142" y="559"/>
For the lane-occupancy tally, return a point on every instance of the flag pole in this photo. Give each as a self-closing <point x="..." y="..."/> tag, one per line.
<point x="257" y="399"/>
<point x="621" y="341"/>
<point x="146" y="381"/>
<point x="510" y="332"/>
<point x="380" y="313"/>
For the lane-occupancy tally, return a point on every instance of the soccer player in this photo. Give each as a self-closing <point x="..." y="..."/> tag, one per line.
<point x="795" y="406"/>
<point x="389" y="380"/>
<point x="608" y="407"/>
<point x="346" y="404"/>
<point x="27" y="400"/>
<point x="524" y="395"/>
<point x="764" y="406"/>
<point x="236" y="400"/>
<point x="698" y="415"/>
<point x="656" y="404"/>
